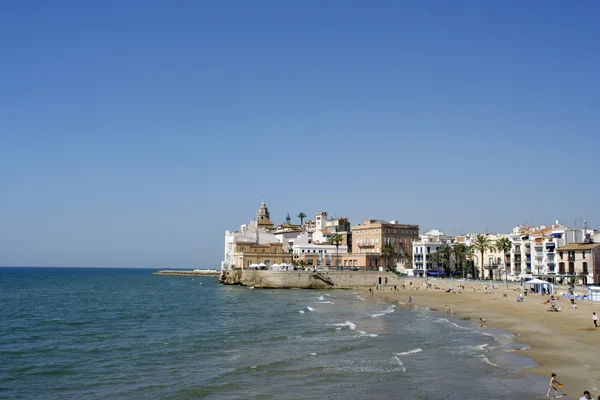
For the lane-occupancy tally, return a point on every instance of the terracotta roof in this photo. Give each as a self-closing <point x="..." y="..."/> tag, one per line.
<point x="325" y="231"/>
<point x="579" y="246"/>
<point x="265" y="221"/>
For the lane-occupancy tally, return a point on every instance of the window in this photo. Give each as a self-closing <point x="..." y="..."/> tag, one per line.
<point x="571" y="268"/>
<point x="583" y="254"/>
<point x="560" y="254"/>
<point x="585" y="268"/>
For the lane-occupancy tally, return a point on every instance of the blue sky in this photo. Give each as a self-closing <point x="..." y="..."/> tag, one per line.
<point x="133" y="133"/>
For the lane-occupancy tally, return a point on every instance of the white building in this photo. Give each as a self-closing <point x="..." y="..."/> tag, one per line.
<point x="533" y="251"/>
<point x="428" y="243"/>
<point x="305" y="248"/>
<point x="258" y="231"/>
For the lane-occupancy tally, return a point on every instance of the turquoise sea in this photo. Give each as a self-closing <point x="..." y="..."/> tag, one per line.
<point x="85" y="333"/>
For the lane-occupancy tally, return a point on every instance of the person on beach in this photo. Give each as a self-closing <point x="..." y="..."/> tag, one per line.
<point x="554" y="384"/>
<point x="409" y="299"/>
<point x="595" y="319"/>
<point x="586" y="395"/>
<point x="482" y="322"/>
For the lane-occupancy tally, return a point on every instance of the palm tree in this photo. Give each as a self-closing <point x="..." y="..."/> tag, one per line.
<point x="387" y="251"/>
<point x="459" y="251"/>
<point x="337" y="239"/>
<point x="481" y="244"/>
<point x="503" y="245"/>
<point x="301" y="216"/>
<point x="446" y="253"/>
<point x="434" y="258"/>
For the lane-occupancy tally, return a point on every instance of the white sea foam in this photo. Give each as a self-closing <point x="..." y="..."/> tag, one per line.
<point x="309" y="308"/>
<point x="482" y="346"/>
<point x="464" y="328"/>
<point x="321" y="298"/>
<point x="363" y="333"/>
<point x="381" y="313"/>
<point x="301" y="311"/>
<point x="349" y="324"/>
<point x="399" y="362"/>
<point x="413" y="351"/>
<point x="487" y="361"/>
<point x="313" y="354"/>
<point x="326" y="302"/>
<point x="360" y="298"/>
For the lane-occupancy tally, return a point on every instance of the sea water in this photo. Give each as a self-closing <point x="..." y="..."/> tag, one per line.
<point x="83" y="333"/>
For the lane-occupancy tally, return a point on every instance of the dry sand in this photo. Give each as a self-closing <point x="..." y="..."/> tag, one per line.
<point x="564" y="342"/>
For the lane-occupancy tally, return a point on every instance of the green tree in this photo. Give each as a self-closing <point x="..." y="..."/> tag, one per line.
<point x="337" y="239"/>
<point x="387" y="251"/>
<point x="481" y="244"/>
<point x="446" y="255"/>
<point x="459" y="252"/>
<point x="301" y="216"/>
<point x="435" y="257"/>
<point x="504" y="245"/>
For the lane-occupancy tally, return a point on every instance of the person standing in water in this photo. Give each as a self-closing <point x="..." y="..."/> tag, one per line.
<point x="595" y="319"/>
<point x="554" y="384"/>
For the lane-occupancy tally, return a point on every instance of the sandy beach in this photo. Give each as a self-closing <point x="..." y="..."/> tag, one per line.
<point x="562" y="342"/>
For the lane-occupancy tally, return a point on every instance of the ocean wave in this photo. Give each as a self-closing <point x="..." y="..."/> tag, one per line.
<point x="309" y="308"/>
<point x="349" y="324"/>
<point x="381" y="313"/>
<point x="413" y="351"/>
<point x="326" y="302"/>
<point x="487" y="361"/>
<point x="363" y="333"/>
<point x="399" y="362"/>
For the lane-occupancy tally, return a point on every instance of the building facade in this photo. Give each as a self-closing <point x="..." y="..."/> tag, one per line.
<point x="579" y="261"/>
<point x="255" y="244"/>
<point x="428" y="243"/>
<point x="369" y="238"/>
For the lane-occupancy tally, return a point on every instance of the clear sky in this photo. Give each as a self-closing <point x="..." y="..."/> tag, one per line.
<point x="133" y="133"/>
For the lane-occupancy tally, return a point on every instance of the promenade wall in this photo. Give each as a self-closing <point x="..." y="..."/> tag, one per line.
<point x="309" y="279"/>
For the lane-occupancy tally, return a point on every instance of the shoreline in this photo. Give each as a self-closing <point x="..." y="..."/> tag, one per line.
<point x="560" y="342"/>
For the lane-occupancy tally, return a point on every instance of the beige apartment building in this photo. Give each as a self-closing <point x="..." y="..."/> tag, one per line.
<point x="369" y="238"/>
<point x="580" y="261"/>
<point x="256" y="256"/>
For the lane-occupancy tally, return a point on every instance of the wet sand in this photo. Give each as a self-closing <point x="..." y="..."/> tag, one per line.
<point x="564" y="342"/>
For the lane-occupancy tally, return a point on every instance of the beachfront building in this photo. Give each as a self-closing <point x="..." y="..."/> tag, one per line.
<point x="533" y="251"/>
<point x="580" y="261"/>
<point x="370" y="237"/>
<point x="423" y="264"/>
<point x="493" y="263"/>
<point x="255" y="245"/>
<point x="318" y="254"/>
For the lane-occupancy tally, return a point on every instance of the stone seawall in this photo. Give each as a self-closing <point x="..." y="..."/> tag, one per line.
<point x="310" y="280"/>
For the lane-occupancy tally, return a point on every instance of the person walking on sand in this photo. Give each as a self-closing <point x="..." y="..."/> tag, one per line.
<point x="482" y="322"/>
<point x="595" y="319"/>
<point x="554" y="385"/>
